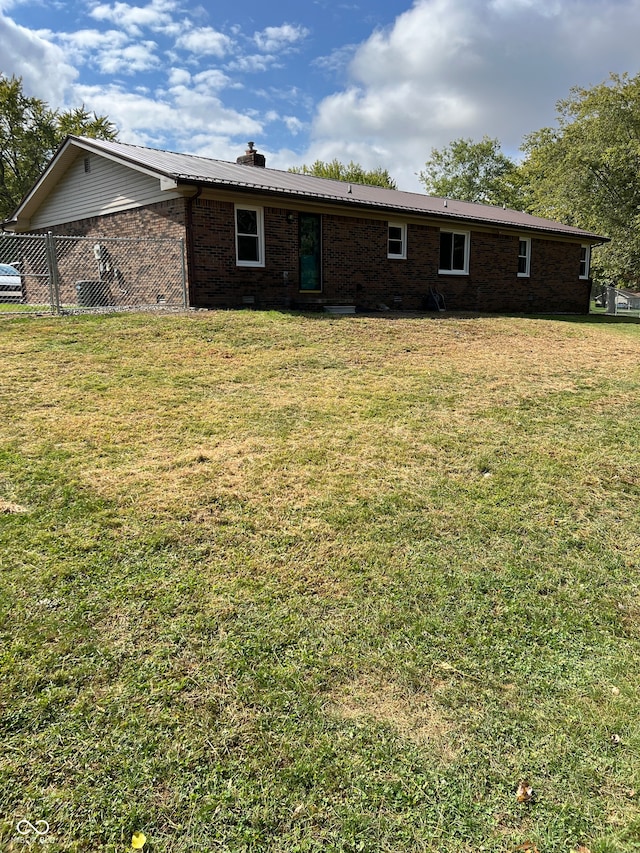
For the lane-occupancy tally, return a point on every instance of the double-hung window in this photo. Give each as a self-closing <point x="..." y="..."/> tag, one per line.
<point x="454" y="252"/>
<point x="249" y="236"/>
<point x="585" y="261"/>
<point x="397" y="240"/>
<point x="524" y="257"/>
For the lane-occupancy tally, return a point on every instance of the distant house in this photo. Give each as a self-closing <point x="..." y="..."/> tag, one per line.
<point x="269" y="238"/>
<point x="629" y="300"/>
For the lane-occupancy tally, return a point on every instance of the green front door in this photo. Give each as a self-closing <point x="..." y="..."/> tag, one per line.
<point x="310" y="251"/>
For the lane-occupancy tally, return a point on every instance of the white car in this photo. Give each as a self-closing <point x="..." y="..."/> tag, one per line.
<point x="10" y="284"/>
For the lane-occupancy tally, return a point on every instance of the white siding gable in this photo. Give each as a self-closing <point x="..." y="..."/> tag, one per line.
<point x="107" y="187"/>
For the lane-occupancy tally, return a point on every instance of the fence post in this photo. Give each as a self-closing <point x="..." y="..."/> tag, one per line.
<point x="54" y="280"/>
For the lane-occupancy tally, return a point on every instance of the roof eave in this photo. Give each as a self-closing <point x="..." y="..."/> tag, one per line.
<point x="362" y="204"/>
<point x="58" y="163"/>
<point x="41" y="181"/>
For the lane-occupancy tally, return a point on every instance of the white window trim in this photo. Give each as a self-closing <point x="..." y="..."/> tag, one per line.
<point x="402" y="256"/>
<point x="467" y="252"/>
<point x="260" y="224"/>
<point x="527" y="272"/>
<point x="587" y="261"/>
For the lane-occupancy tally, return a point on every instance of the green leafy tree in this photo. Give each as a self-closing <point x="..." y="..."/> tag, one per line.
<point x="30" y="132"/>
<point x="352" y="173"/>
<point x="27" y="137"/>
<point x="473" y="171"/>
<point x="81" y="122"/>
<point x="586" y="171"/>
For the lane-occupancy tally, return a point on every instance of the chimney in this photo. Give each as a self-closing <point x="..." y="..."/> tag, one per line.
<point x="252" y="158"/>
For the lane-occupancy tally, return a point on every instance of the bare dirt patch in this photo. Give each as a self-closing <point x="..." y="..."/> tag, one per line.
<point x="415" y="716"/>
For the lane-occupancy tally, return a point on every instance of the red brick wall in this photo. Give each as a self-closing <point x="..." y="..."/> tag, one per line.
<point x="553" y="284"/>
<point x="355" y="266"/>
<point x="216" y="279"/>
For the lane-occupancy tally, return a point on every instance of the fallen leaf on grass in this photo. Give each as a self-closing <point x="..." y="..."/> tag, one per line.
<point x="582" y="849"/>
<point x="138" y="840"/>
<point x="527" y="847"/>
<point x="524" y="794"/>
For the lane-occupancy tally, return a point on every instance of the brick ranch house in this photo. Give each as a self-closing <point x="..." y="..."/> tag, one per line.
<point x="271" y="238"/>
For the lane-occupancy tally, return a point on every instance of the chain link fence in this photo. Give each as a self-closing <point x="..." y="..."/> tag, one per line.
<point x="619" y="301"/>
<point x="45" y="273"/>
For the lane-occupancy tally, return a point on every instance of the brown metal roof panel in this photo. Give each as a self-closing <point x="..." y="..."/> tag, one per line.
<point x="203" y="170"/>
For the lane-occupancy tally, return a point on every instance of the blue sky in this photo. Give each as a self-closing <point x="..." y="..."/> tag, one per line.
<point x="377" y="82"/>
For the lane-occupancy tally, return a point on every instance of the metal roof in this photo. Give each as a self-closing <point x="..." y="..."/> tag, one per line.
<point x="204" y="171"/>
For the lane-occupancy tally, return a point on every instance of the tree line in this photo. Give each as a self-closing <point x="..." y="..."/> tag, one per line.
<point x="584" y="171"/>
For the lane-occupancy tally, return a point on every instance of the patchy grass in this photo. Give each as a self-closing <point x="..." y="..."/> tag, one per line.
<point x="274" y="582"/>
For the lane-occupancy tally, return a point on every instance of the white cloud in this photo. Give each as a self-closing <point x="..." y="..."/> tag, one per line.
<point x="275" y="39"/>
<point x="254" y="64"/>
<point x="134" y="114"/>
<point x="45" y="70"/>
<point x="337" y="60"/>
<point x="157" y="15"/>
<point x="548" y="8"/>
<point x="111" y="51"/>
<point x="172" y="118"/>
<point x="452" y="68"/>
<point x="179" y="77"/>
<point x="205" y="41"/>
<point x="129" y="60"/>
<point x="211" y="80"/>
<point x="294" y="125"/>
<point x="82" y="43"/>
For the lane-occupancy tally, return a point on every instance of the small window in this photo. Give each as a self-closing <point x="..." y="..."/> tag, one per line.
<point x="454" y="252"/>
<point x="87" y="164"/>
<point x="524" y="257"/>
<point x="585" y="261"/>
<point x="397" y="242"/>
<point x="249" y="237"/>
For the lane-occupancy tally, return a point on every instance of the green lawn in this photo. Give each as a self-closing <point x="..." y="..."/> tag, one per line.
<point x="23" y="308"/>
<point x="276" y="582"/>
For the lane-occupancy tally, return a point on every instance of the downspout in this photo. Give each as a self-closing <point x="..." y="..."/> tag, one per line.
<point x="191" y="254"/>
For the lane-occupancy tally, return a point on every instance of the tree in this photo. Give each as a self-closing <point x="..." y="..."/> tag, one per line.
<point x="80" y="122"/>
<point x="27" y="136"/>
<point x="30" y="132"/>
<point x="586" y="171"/>
<point x="472" y="171"/>
<point x="352" y="173"/>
